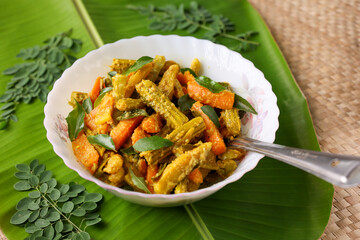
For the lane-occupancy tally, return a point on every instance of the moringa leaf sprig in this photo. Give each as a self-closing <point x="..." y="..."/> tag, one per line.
<point x="194" y="18"/>
<point x="53" y="210"/>
<point x="33" y="78"/>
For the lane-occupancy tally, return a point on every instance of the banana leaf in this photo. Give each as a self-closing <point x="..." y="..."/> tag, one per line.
<point x="274" y="201"/>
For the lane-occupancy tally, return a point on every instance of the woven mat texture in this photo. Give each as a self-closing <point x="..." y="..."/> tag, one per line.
<point x="321" y="42"/>
<point x="320" y="39"/>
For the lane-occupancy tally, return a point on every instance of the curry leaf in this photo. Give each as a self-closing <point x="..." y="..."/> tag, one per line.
<point x="102" y="140"/>
<point x="101" y="96"/>
<point x="152" y="143"/>
<point x="20" y="217"/>
<point x="75" y="121"/>
<point x="111" y="74"/>
<point x="131" y="114"/>
<point x="139" y="182"/>
<point x="183" y="70"/>
<point x="87" y="105"/>
<point x="210" y="112"/>
<point x="185" y="102"/>
<point x="241" y="104"/>
<point x="138" y="64"/>
<point x="210" y="84"/>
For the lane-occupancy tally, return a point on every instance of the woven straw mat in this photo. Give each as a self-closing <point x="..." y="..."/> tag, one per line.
<point x="320" y="40"/>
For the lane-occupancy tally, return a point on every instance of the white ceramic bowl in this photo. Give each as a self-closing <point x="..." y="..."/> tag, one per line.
<point x="218" y="62"/>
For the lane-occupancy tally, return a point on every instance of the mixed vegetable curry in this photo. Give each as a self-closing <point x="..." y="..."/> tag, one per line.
<point x="154" y="127"/>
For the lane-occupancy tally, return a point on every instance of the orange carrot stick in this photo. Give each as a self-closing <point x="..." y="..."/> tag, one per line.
<point x="138" y="134"/>
<point x="223" y="100"/>
<point x="195" y="176"/>
<point x="95" y="90"/>
<point x="142" y="167"/>
<point x="123" y="130"/>
<point x="212" y="134"/>
<point x="85" y="152"/>
<point x="152" y="124"/>
<point x="152" y="170"/>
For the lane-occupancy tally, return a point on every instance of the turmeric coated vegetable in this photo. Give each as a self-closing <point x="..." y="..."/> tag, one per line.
<point x="85" y="152"/>
<point x="154" y="98"/>
<point x="155" y="139"/>
<point x="212" y="134"/>
<point x="178" y="169"/>
<point x="123" y="130"/>
<point x="222" y="100"/>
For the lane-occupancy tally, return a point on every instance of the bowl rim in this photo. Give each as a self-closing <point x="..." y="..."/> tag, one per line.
<point x="187" y="195"/>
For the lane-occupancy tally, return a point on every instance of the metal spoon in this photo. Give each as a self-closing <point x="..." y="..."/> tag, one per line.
<point x="340" y="170"/>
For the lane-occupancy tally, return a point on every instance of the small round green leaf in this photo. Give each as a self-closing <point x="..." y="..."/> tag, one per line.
<point x="82" y="236"/>
<point x="93" y="197"/>
<point x="64" y="188"/>
<point x="52" y="183"/>
<point x="39" y="169"/>
<point x="49" y="232"/>
<point x="92" y="215"/>
<point x="52" y="216"/>
<point x="44" y="187"/>
<point x="44" y="211"/>
<point x="79" y="212"/>
<point x="44" y="203"/>
<point x="20" y="217"/>
<point x="92" y="221"/>
<point x="32" y="229"/>
<point x="42" y="223"/>
<point x="34" y="163"/>
<point x="22" y="186"/>
<point x="23" y="203"/>
<point x="67" y="207"/>
<point x="23" y="167"/>
<point x="22" y="175"/>
<point x="45" y="176"/>
<point x="63" y="198"/>
<point x="67" y="227"/>
<point x="89" y="206"/>
<point x="78" y="200"/>
<point x="34" y="180"/>
<point x="59" y="226"/>
<point x="71" y="194"/>
<point x="33" y="206"/>
<point x="57" y="236"/>
<point x="77" y="188"/>
<point x="55" y="194"/>
<point x="34" y="215"/>
<point x="34" y="194"/>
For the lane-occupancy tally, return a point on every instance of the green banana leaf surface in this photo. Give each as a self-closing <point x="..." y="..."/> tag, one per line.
<point x="274" y="201"/>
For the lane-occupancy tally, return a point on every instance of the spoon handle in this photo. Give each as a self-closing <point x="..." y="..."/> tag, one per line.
<point x="340" y="170"/>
